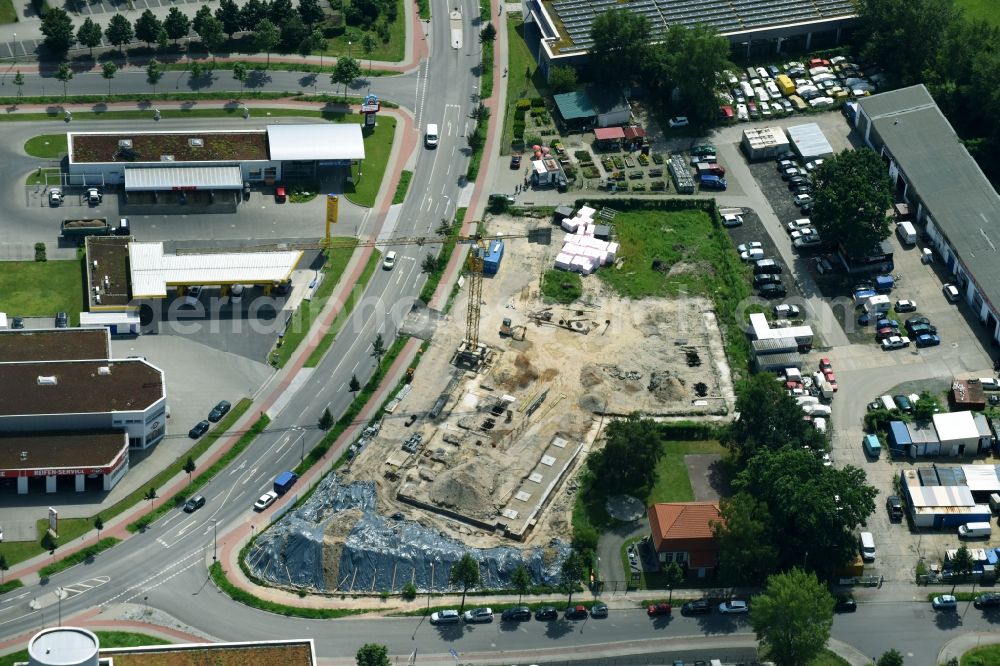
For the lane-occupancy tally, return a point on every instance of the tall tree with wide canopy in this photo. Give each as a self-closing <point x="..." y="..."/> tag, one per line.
<point x="627" y="462"/>
<point x="793" y="617"/>
<point x="621" y="39"/>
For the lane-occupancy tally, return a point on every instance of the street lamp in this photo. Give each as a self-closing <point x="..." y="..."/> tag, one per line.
<point x="215" y="539"/>
<point x="15" y="47"/>
<point x="59" y="597"/>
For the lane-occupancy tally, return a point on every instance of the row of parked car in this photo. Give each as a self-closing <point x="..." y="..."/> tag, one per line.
<point x="800" y="185"/>
<point x="767" y="272"/>
<point x="518" y="614"/>
<point x="709" y="174"/>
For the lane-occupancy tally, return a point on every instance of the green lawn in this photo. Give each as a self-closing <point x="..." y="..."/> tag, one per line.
<point x="521" y="76"/>
<point x="980" y="10"/>
<point x="38" y="177"/>
<point x="391" y="51"/>
<point x="108" y="639"/>
<point x="48" y="146"/>
<point x="562" y="286"/>
<point x="672" y="482"/>
<point x="402" y="187"/>
<point x="987" y="655"/>
<point x="685" y="243"/>
<point x="378" y="145"/>
<point x="41" y="289"/>
<point x="7" y="12"/>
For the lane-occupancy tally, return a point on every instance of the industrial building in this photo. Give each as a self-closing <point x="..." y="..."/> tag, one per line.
<point x="559" y="31"/>
<point x="763" y="143"/>
<point x="956" y="208"/>
<point x="809" y="142"/>
<point x="76" y="412"/>
<point x="952" y="434"/>
<point x="593" y="106"/>
<point x="940" y="497"/>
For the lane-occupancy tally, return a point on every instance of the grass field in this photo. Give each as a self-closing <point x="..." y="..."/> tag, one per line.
<point x="672" y="481"/>
<point x="562" y="286"/>
<point x="520" y="76"/>
<point x="684" y="241"/>
<point x="108" y="639"/>
<point x="980" y="10"/>
<point x="48" y="146"/>
<point x="378" y="145"/>
<point x="38" y="177"/>
<point x="41" y="289"/>
<point x="391" y="51"/>
<point x="987" y="655"/>
<point x="7" y="12"/>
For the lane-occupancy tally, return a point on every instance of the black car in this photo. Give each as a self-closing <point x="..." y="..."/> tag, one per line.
<point x="787" y="155"/>
<point x="845" y="604"/>
<point x="516" y="614"/>
<point x="200" y="429"/>
<point x="699" y="607"/>
<point x="772" y="291"/>
<point x="17" y="323"/>
<point x="62" y="320"/>
<point x="895" y="508"/>
<point x="194" y="504"/>
<point x="795" y="181"/>
<point x="599" y="610"/>
<point x="515" y="161"/>
<point x="987" y="600"/>
<point x="921" y="329"/>
<point x="766" y="278"/>
<point x="547" y="613"/>
<point x="577" y="612"/>
<point x="806" y="209"/>
<point x="915" y="321"/>
<point x="219" y="411"/>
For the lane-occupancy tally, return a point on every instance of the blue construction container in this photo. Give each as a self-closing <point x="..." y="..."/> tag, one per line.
<point x="494" y="253"/>
<point x="884" y="283"/>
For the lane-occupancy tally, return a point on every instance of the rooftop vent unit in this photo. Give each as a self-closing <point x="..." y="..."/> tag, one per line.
<point x="166" y="158"/>
<point x="104" y="370"/>
<point x="47" y="380"/>
<point x="196" y="143"/>
<point x="24" y="455"/>
<point x="124" y="143"/>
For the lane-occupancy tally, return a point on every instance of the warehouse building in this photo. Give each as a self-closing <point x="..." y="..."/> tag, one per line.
<point x="939" y="498"/>
<point x="953" y="434"/>
<point x="956" y="207"/>
<point x="763" y="143"/>
<point x="76" y="412"/>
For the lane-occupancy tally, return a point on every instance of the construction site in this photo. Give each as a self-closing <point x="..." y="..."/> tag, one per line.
<point x="486" y="454"/>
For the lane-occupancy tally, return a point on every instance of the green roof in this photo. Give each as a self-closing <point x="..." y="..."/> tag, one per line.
<point x="588" y="102"/>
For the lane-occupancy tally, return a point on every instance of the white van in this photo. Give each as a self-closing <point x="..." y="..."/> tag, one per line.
<point x="807" y="400"/>
<point x="887" y="402"/>
<point x="974" y="531"/>
<point x="995" y="502"/>
<point x="817" y="410"/>
<point x="867" y="547"/>
<point x="431" y="136"/>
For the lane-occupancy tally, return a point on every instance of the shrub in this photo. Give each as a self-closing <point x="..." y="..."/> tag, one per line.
<point x="531" y="140"/>
<point x="538" y="102"/>
<point x="518" y="130"/>
<point x="523" y="104"/>
<point x="40" y="252"/>
<point x="409" y="592"/>
<point x="582" y="155"/>
<point x="519" y="114"/>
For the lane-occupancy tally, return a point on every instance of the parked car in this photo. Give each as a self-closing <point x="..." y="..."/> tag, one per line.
<point x="62" y="320"/>
<point x="804" y="233"/>
<point x="802" y="200"/>
<point x="515" y="161"/>
<point x="449" y="616"/>
<point x="55" y="197"/>
<point x="904" y="305"/>
<point x="772" y="291"/>
<point x="915" y="321"/>
<point x="695" y="159"/>
<point x="94" y="196"/>
<point x="813" y="165"/>
<point x="895" y="342"/>
<point x="923" y="329"/>
<point x="903" y="403"/>
<point x="731" y="220"/>
<point x="678" y="121"/>
<point x="658" y="609"/>
<point x="845" y="604"/>
<point x="697" y="607"/>
<point x="478" y="615"/>
<point x="766" y="278"/>
<point x="734" y="607"/>
<point x="951" y="293"/>
<point x="599" y="610"/>
<point x="265" y="500"/>
<point x="280" y="194"/>
<point x="784" y="165"/>
<point x="389" y="262"/>
<point x="787" y="311"/>
<point x="987" y="600"/>
<point x="194" y="504"/>
<point x="945" y="602"/>
<point x="516" y="614"/>
<point x="703" y="149"/>
<point x="752" y="245"/>
<point x="219" y="411"/>
<point x="893" y="504"/>
<point x="577" y="612"/>
<point x="199" y="429"/>
<point x="927" y="340"/>
<point x="17" y="323"/>
<point x="796" y="225"/>
<point x="752" y="254"/>
<point x="812" y="240"/>
<point x="546" y="613"/>
<point x="192" y="296"/>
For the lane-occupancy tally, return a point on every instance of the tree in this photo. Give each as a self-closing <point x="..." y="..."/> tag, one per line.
<point x="562" y="79"/>
<point x="475" y="139"/>
<point x="147" y="27"/>
<point x="108" y="70"/>
<point x="674" y="576"/>
<point x="252" y="13"/>
<point x="695" y="55"/>
<point x="853" y="193"/>
<point x="521" y="580"/>
<point x="154" y="72"/>
<point x="203" y="14"/>
<point x="266" y="37"/>
<point x="373" y="654"/>
<point x="149" y="496"/>
<point x="240" y="74"/>
<point x="962" y="565"/>
<point x="119" y="31"/>
<point x="293" y="33"/>
<point x="354" y="385"/>
<point x="162" y="39"/>
<point x="3" y="567"/>
<point x="368" y="46"/>
<point x="189" y="467"/>
<point x="196" y="70"/>
<point x="280" y="11"/>
<point x="57" y="27"/>
<point x="311" y="12"/>
<point x="620" y="42"/>
<point x="64" y="74"/>
<point x="429" y="264"/>
<point x="378" y="348"/>
<point x="627" y="462"/>
<point x="464" y="573"/>
<point x="746" y="552"/>
<point x="177" y="24"/>
<point x="325" y="420"/>
<point x="892" y="657"/>
<point x="317" y="42"/>
<point x="488" y="34"/>
<point x="229" y="13"/>
<point x="923" y="410"/>
<point x="98" y="525"/>
<point x="345" y="72"/>
<point x="89" y="34"/>
<point x="19" y="82"/>
<point x="211" y="35"/>
<point x="793" y="617"/>
<point x="571" y="573"/>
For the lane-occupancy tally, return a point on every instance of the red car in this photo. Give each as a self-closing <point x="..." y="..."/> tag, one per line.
<point x="819" y="62"/>
<point x="824" y="364"/>
<point x="280" y="195"/>
<point x="658" y="609"/>
<point x="884" y="332"/>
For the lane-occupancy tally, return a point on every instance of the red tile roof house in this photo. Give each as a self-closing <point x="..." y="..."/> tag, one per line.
<point x="682" y="533"/>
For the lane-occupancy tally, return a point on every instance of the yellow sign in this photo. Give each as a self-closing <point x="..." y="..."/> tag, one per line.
<point x="332" y="205"/>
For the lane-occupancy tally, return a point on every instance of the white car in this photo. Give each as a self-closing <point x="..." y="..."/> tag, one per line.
<point x="787" y="311"/>
<point x="796" y="225"/>
<point x="895" y="342"/>
<point x="389" y="261"/>
<point x="265" y="500"/>
<point x="450" y="616"/>
<point x="805" y="232"/>
<point x="802" y="199"/>
<point x="192" y="296"/>
<point x="678" y="121"/>
<point x="765" y="109"/>
<point x="476" y="615"/>
<point x="945" y="602"/>
<point x="815" y="164"/>
<point x="733" y="607"/>
<point x="731" y="220"/>
<point x="94" y="196"/>
<point x="903" y="305"/>
<point x="752" y="255"/>
<point x="951" y="293"/>
<point x="55" y="196"/>
<point x="742" y="113"/>
<point x="752" y="245"/>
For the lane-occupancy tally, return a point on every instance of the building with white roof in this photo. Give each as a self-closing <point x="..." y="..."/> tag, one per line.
<point x="960" y="435"/>
<point x="760" y="329"/>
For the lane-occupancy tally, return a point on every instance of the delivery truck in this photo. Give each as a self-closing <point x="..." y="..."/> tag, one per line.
<point x="906" y="232"/>
<point x="78" y="229"/>
<point x="284" y="482"/>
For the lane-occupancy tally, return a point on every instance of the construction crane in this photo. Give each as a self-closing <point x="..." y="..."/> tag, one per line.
<point x="474" y="262"/>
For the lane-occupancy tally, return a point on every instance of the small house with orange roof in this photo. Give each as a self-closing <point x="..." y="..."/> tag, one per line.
<point x="681" y="532"/>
